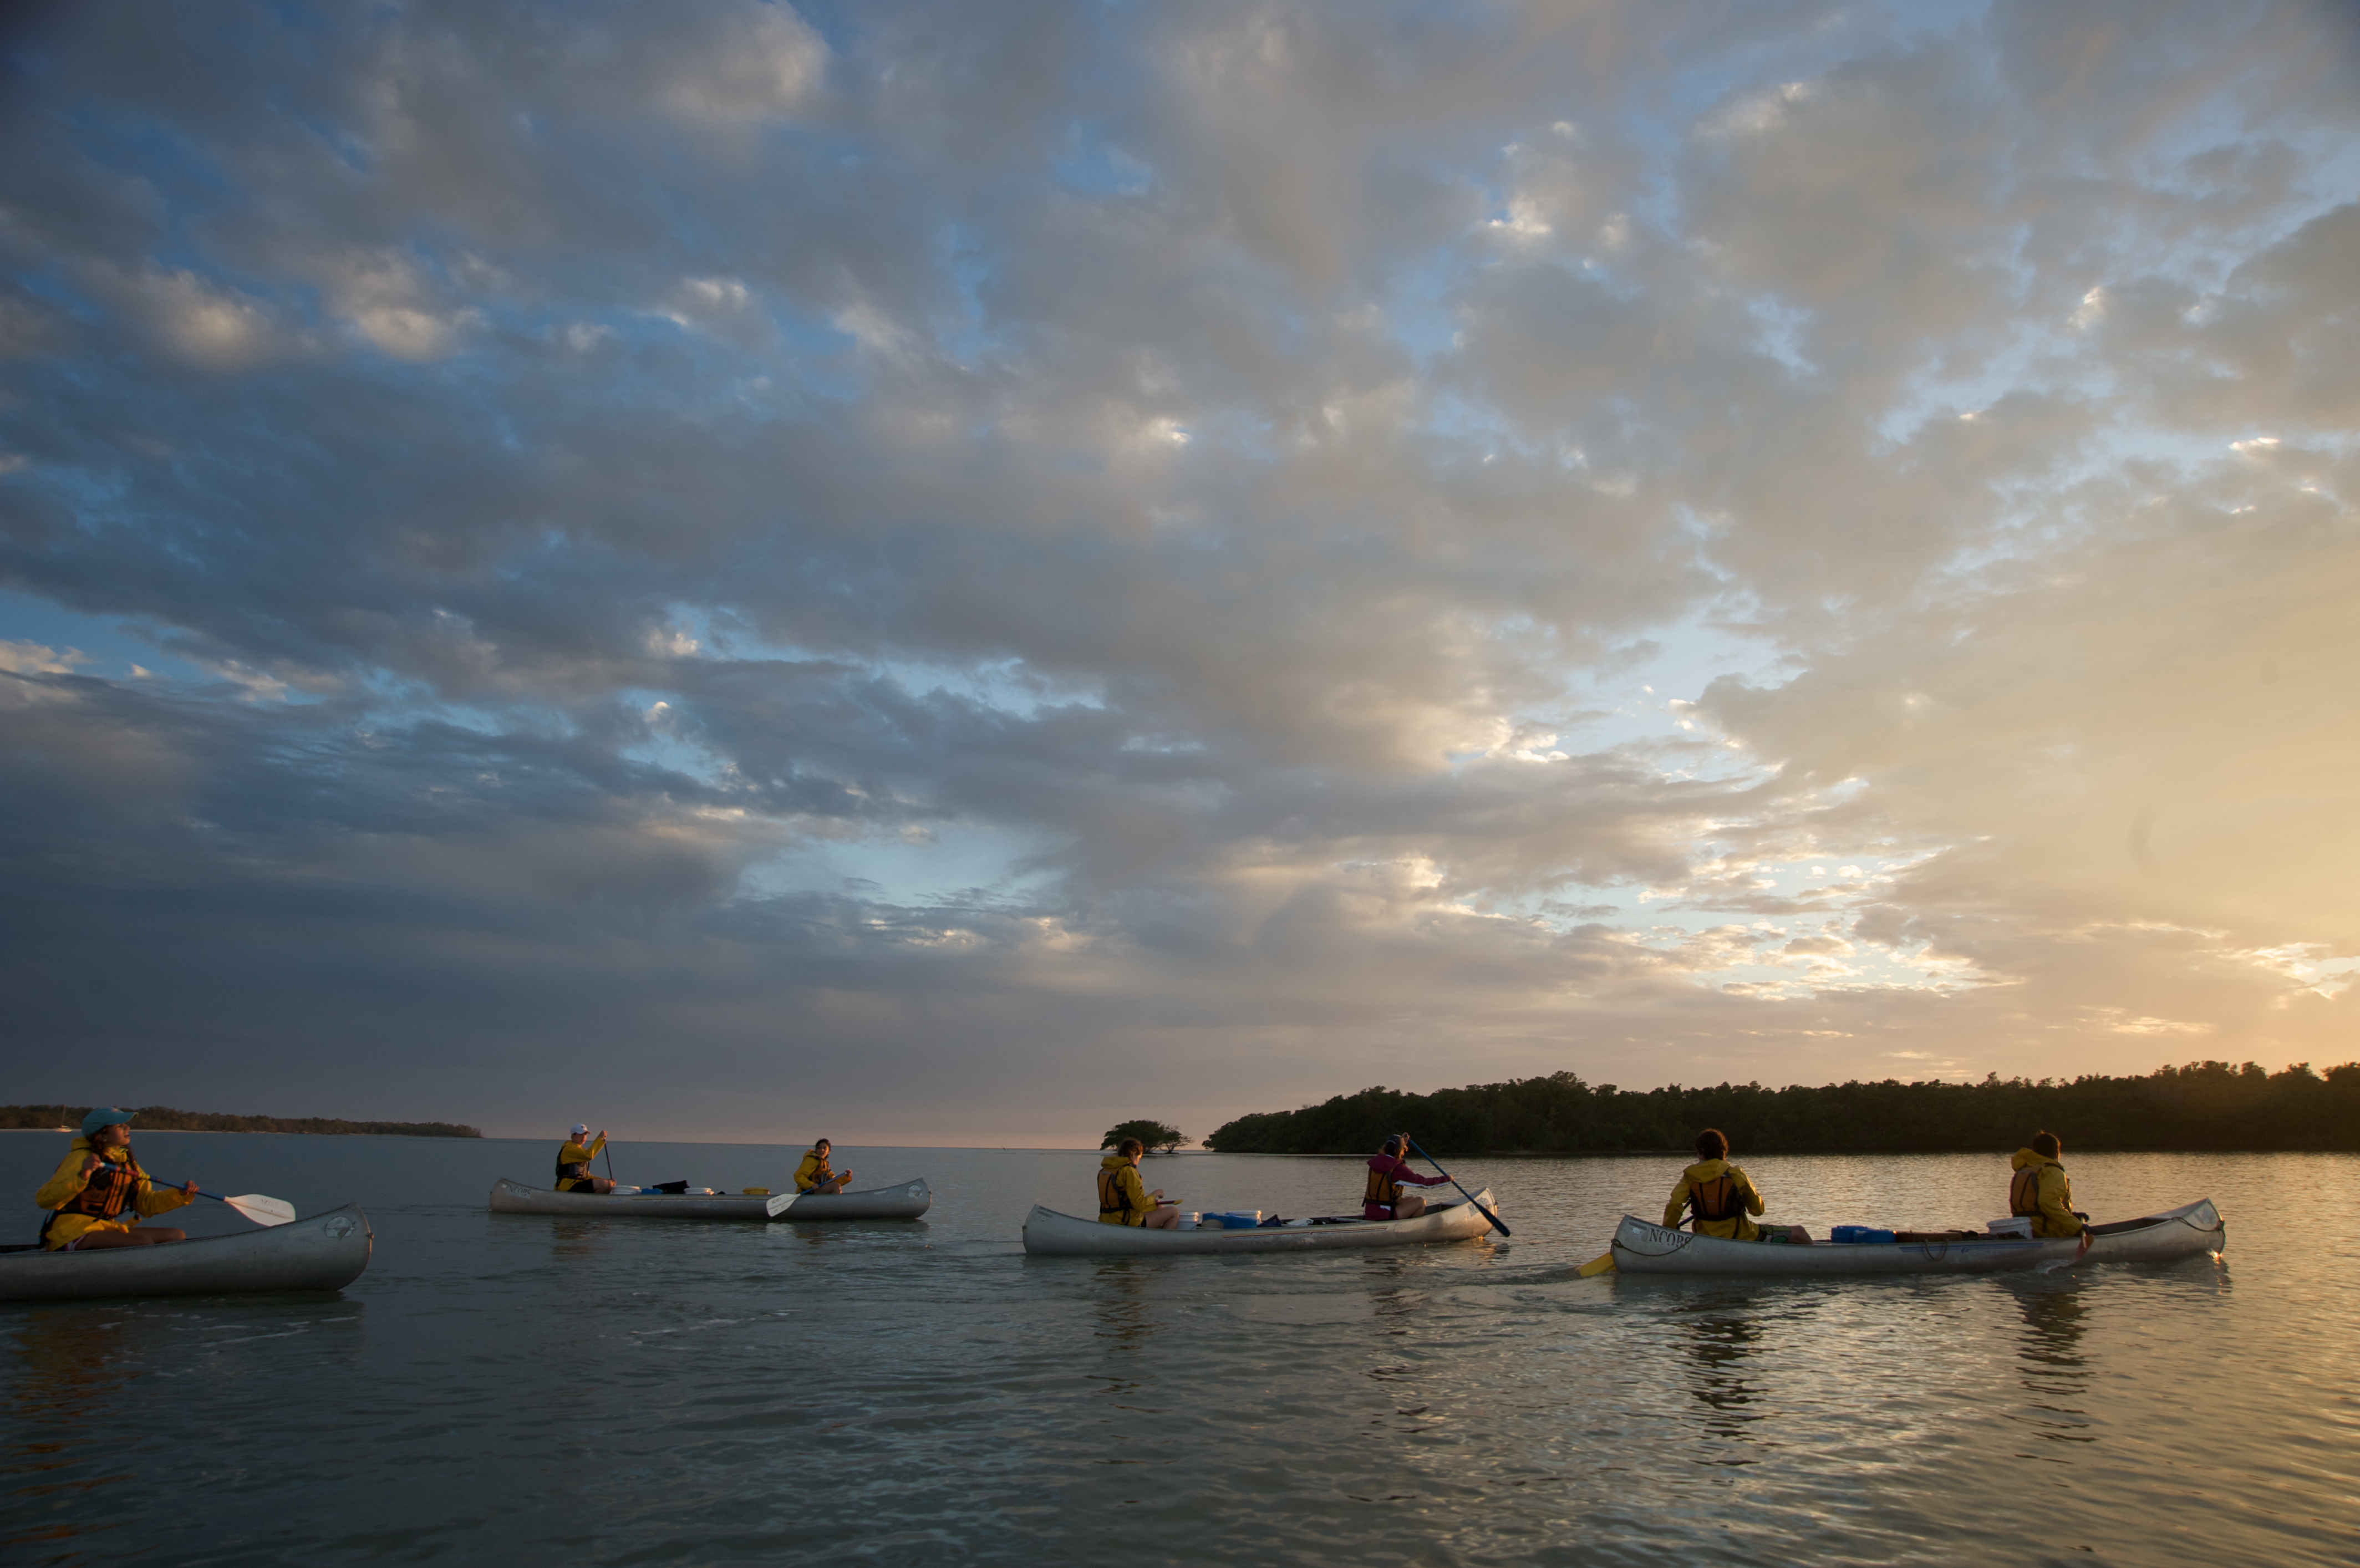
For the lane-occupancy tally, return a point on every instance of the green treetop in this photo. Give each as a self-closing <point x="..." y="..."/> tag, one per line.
<point x="1154" y="1134"/>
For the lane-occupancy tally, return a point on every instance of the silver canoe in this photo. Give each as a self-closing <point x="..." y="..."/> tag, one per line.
<point x="2188" y="1232"/>
<point x="326" y="1252"/>
<point x="905" y="1200"/>
<point x="1049" y="1234"/>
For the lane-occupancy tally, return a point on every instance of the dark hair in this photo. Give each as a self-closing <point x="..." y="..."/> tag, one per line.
<point x="821" y="1143"/>
<point x="2044" y="1143"/>
<point x="1712" y="1145"/>
<point x="1391" y="1146"/>
<point x="1130" y="1146"/>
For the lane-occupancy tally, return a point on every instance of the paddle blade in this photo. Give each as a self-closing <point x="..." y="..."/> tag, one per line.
<point x="779" y="1203"/>
<point x="1602" y="1263"/>
<point x="263" y="1211"/>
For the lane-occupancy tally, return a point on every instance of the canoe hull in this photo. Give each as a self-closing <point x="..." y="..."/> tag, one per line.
<point x="905" y="1200"/>
<point x="1048" y="1233"/>
<point x="325" y="1252"/>
<point x="2188" y="1232"/>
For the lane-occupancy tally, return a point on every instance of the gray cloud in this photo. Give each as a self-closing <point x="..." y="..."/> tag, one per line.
<point x="896" y="558"/>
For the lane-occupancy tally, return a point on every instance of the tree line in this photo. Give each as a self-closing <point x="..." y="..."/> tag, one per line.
<point x="163" y="1118"/>
<point x="2205" y="1105"/>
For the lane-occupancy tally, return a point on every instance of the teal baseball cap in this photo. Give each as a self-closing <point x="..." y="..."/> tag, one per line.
<point x="104" y="1115"/>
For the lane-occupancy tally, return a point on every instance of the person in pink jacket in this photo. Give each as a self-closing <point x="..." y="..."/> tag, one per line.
<point x="1385" y="1200"/>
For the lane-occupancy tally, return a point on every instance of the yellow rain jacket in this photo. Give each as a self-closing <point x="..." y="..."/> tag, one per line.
<point x="2041" y="1189"/>
<point x="573" y="1163"/>
<point x="813" y="1171"/>
<point x="1123" y="1196"/>
<point x="1723" y="1195"/>
<point x="68" y="1187"/>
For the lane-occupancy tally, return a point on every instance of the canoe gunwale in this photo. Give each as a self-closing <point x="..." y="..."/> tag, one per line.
<point x="1049" y="1234"/>
<point x="2190" y="1231"/>
<point x="321" y="1252"/>
<point x="901" y="1201"/>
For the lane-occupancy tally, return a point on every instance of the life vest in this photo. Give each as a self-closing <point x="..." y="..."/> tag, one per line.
<point x="1113" y="1199"/>
<point x="108" y="1192"/>
<point x="1716" y="1197"/>
<point x="1384" y="1188"/>
<point x="2024" y="1189"/>
<point x="570" y="1170"/>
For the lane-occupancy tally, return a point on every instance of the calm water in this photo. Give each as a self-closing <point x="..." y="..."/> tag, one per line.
<point x="515" y="1390"/>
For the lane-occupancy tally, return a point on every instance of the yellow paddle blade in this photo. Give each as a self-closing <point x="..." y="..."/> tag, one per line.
<point x="1598" y="1265"/>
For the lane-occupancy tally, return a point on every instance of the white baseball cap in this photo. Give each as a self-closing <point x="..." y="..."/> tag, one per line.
<point x="582" y="1129"/>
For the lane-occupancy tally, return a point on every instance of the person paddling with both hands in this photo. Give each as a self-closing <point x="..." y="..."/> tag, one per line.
<point x="98" y="1183"/>
<point x="814" y="1175"/>
<point x="1388" y="1169"/>
<point x="573" y="1162"/>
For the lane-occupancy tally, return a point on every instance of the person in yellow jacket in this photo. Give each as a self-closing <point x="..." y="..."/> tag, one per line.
<point x="814" y="1175"/>
<point x="99" y="1181"/>
<point x="574" y="1161"/>
<point x="1123" y="1197"/>
<point x="2040" y="1189"/>
<point x="1723" y="1197"/>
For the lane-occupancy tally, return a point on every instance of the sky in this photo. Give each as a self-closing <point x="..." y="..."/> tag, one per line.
<point x="954" y="574"/>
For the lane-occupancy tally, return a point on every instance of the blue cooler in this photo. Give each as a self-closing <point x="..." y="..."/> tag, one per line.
<point x="1234" y="1219"/>
<point x="1859" y="1233"/>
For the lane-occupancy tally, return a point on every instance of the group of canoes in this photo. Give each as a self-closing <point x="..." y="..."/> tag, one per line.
<point x="93" y="1242"/>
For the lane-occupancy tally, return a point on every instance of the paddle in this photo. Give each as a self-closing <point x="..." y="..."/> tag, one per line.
<point x="1599" y="1264"/>
<point x="262" y="1211"/>
<point x="781" y="1203"/>
<point x="1463" y="1193"/>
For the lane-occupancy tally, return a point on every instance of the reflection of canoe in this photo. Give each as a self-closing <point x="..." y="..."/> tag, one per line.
<point x="326" y="1252"/>
<point x="905" y="1201"/>
<point x="2188" y="1232"/>
<point x="1064" y="1235"/>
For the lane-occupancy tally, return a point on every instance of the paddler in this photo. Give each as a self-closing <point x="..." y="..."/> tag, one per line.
<point x="1388" y="1169"/>
<point x="814" y="1175"/>
<point x="2041" y="1192"/>
<point x="1722" y="1197"/>
<point x="96" y="1183"/>
<point x="574" y="1161"/>
<point x="1123" y="1197"/>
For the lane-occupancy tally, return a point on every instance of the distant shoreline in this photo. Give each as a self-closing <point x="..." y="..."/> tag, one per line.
<point x="164" y="1118"/>
<point x="2204" y="1107"/>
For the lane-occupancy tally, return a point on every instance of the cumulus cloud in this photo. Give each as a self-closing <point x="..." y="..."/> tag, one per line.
<point x="1295" y="548"/>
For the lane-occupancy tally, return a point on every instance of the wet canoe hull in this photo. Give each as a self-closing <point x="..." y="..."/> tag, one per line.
<point x="905" y="1200"/>
<point x="1049" y="1234"/>
<point x="325" y="1252"/>
<point x="2188" y="1232"/>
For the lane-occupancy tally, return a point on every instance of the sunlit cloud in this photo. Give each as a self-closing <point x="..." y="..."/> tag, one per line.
<point x="906" y="558"/>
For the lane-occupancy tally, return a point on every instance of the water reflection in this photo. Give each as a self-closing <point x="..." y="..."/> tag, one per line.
<point x="1121" y="1308"/>
<point x="2051" y="1361"/>
<point x="574" y="1239"/>
<point x="68" y="1368"/>
<point x="1723" y="1339"/>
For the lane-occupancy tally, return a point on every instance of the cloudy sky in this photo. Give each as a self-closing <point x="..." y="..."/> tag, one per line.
<point x="954" y="574"/>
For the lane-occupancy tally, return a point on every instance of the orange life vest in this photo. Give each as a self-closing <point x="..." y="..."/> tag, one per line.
<point x="1113" y="1199"/>
<point x="1383" y="1186"/>
<point x="108" y="1192"/>
<point x="2024" y="1189"/>
<point x="1716" y="1198"/>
